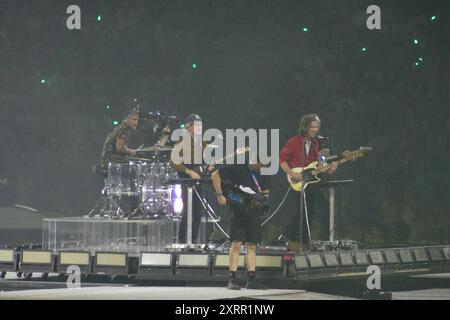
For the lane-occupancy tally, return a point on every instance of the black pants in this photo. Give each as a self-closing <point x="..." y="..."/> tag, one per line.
<point x="317" y="208"/>
<point x="196" y="215"/>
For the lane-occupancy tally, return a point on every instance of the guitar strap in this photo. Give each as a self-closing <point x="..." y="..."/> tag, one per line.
<point x="256" y="181"/>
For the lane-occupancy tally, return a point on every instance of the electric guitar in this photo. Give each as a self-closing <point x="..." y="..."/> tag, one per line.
<point x="202" y="170"/>
<point x="310" y="173"/>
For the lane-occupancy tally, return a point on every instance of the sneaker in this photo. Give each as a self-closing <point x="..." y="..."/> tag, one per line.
<point x="232" y="285"/>
<point x="255" y="285"/>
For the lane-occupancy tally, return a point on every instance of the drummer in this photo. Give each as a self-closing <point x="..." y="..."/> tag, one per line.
<point x="116" y="147"/>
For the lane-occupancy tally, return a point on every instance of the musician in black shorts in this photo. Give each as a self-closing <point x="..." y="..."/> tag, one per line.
<point x="233" y="184"/>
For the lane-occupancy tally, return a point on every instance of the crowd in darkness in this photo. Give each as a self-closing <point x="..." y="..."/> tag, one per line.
<point x="256" y="67"/>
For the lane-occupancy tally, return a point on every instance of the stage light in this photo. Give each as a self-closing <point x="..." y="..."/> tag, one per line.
<point x="416" y="64"/>
<point x="433" y="18"/>
<point x="391" y="257"/>
<point x="223" y="261"/>
<point x="149" y="259"/>
<point x="364" y="49"/>
<point x="330" y="260"/>
<point x="361" y="258"/>
<point x="315" y="260"/>
<point x="43" y="81"/>
<point x="300" y="262"/>
<point x="36" y="257"/>
<point x="194" y="66"/>
<point x="435" y="254"/>
<point x="405" y="256"/>
<point x="270" y="262"/>
<point x="67" y="258"/>
<point x="6" y="256"/>
<point x="376" y="257"/>
<point x="346" y="259"/>
<point x="305" y="29"/>
<point x="420" y="59"/>
<point x="193" y="260"/>
<point x="108" y="107"/>
<point x="416" y="41"/>
<point x="446" y="251"/>
<point x="421" y="255"/>
<point x="110" y="259"/>
<point x="99" y="18"/>
<point x="115" y="122"/>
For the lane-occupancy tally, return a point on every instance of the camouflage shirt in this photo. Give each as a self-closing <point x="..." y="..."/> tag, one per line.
<point x="109" y="152"/>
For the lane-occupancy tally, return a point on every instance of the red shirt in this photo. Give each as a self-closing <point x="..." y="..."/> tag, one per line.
<point x="294" y="153"/>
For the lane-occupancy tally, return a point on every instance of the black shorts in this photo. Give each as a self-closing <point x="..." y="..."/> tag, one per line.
<point x="246" y="225"/>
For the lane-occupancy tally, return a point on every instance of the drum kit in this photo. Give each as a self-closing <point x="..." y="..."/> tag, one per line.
<point x="141" y="183"/>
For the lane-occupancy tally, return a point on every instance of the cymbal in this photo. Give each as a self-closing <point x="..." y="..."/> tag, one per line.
<point x="155" y="149"/>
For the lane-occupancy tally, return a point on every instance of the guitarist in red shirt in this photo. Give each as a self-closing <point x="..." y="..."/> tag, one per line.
<point x="300" y="151"/>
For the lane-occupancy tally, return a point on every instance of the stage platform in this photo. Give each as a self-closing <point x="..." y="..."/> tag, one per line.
<point x="113" y="235"/>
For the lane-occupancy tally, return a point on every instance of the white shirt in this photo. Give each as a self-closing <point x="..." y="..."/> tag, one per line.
<point x="307" y="146"/>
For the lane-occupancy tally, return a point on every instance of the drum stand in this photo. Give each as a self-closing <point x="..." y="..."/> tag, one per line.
<point x="100" y="206"/>
<point x="212" y="215"/>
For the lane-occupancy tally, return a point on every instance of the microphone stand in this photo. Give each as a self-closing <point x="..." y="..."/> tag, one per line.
<point x="303" y="208"/>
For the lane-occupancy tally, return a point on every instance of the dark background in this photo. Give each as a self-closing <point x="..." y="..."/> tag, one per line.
<point x="256" y="68"/>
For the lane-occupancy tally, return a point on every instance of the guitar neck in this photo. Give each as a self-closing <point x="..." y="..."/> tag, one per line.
<point x="323" y="169"/>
